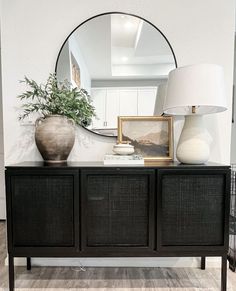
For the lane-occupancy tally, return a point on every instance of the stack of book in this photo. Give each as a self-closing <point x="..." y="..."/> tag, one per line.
<point x="110" y="159"/>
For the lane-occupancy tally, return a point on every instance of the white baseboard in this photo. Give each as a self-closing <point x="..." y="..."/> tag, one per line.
<point x="212" y="262"/>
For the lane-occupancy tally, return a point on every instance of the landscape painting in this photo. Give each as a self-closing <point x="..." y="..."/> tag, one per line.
<point x="151" y="136"/>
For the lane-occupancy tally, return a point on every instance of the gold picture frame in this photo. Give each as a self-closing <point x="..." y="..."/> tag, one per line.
<point x="151" y="136"/>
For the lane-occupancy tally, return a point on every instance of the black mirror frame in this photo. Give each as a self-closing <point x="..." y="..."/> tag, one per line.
<point x="107" y="13"/>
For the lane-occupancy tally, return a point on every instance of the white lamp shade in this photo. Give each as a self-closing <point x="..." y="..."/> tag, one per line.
<point x="199" y="85"/>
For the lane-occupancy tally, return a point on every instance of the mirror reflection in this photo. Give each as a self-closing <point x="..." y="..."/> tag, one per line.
<point x="122" y="61"/>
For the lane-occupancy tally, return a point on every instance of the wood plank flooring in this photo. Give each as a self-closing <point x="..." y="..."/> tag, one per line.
<point x="104" y="279"/>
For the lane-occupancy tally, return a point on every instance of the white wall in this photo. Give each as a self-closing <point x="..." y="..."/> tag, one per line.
<point x="233" y="135"/>
<point x="2" y="181"/>
<point x="33" y="32"/>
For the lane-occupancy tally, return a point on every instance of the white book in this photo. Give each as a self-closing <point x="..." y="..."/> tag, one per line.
<point x="123" y="160"/>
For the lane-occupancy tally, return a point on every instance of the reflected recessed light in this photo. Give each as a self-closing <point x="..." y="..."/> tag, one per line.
<point x="128" y="25"/>
<point x="124" y="59"/>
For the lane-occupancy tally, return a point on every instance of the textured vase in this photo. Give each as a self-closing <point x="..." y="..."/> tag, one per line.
<point x="54" y="137"/>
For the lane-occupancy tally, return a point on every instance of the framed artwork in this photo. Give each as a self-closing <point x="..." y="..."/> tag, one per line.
<point x="75" y="71"/>
<point x="151" y="136"/>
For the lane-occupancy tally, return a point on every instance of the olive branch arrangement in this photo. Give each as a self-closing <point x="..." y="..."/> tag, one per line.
<point x="57" y="98"/>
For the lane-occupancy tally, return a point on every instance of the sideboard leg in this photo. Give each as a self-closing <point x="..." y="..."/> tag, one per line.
<point x="224" y="273"/>
<point x="11" y="272"/>
<point x="203" y="263"/>
<point x="28" y="260"/>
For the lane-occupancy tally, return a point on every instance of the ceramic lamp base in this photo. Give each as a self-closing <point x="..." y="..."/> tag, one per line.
<point x="194" y="141"/>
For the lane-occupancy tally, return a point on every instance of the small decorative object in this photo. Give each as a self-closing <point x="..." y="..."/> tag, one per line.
<point x="123" y="160"/>
<point x="123" y="149"/>
<point x="193" y="91"/>
<point x="61" y="107"/>
<point x="151" y="136"/>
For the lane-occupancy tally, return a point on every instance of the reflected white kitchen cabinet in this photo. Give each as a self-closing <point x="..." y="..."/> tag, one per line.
<point x="99" y="102"/>
<point x="146" y="101"/>
<point x="128" y="102"/>
<point x="106" y="102"/>
<point x="112" y="102"/>
<point x="112" y="108"/>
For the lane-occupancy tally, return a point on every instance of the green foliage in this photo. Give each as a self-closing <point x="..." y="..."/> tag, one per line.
<point x="57" y="98"/>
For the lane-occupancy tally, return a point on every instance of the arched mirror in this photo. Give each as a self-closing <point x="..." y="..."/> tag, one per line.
<point x="121" y="60"/>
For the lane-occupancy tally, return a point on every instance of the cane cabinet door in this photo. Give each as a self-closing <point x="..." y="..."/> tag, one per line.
<point x="191" y="208"/>
<point x="42" y="207"/>
<point x="117" y="211"/>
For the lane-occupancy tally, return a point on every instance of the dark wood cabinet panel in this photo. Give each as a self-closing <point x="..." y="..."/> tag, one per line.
<point x="192" y="209"/>
<point x="42" y="209"/>
<point x="117" y="210"/>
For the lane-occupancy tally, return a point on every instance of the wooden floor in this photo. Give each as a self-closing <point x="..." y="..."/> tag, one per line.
<point x="118" y="279"/>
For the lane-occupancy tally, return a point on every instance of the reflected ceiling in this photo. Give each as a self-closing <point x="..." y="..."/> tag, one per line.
<point x="118" y="46"/>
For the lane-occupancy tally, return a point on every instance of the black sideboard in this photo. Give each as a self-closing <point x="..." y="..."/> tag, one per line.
<point x="92" y="210"/>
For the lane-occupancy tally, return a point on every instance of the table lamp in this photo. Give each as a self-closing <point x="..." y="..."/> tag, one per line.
<point x="193" y="91"/>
